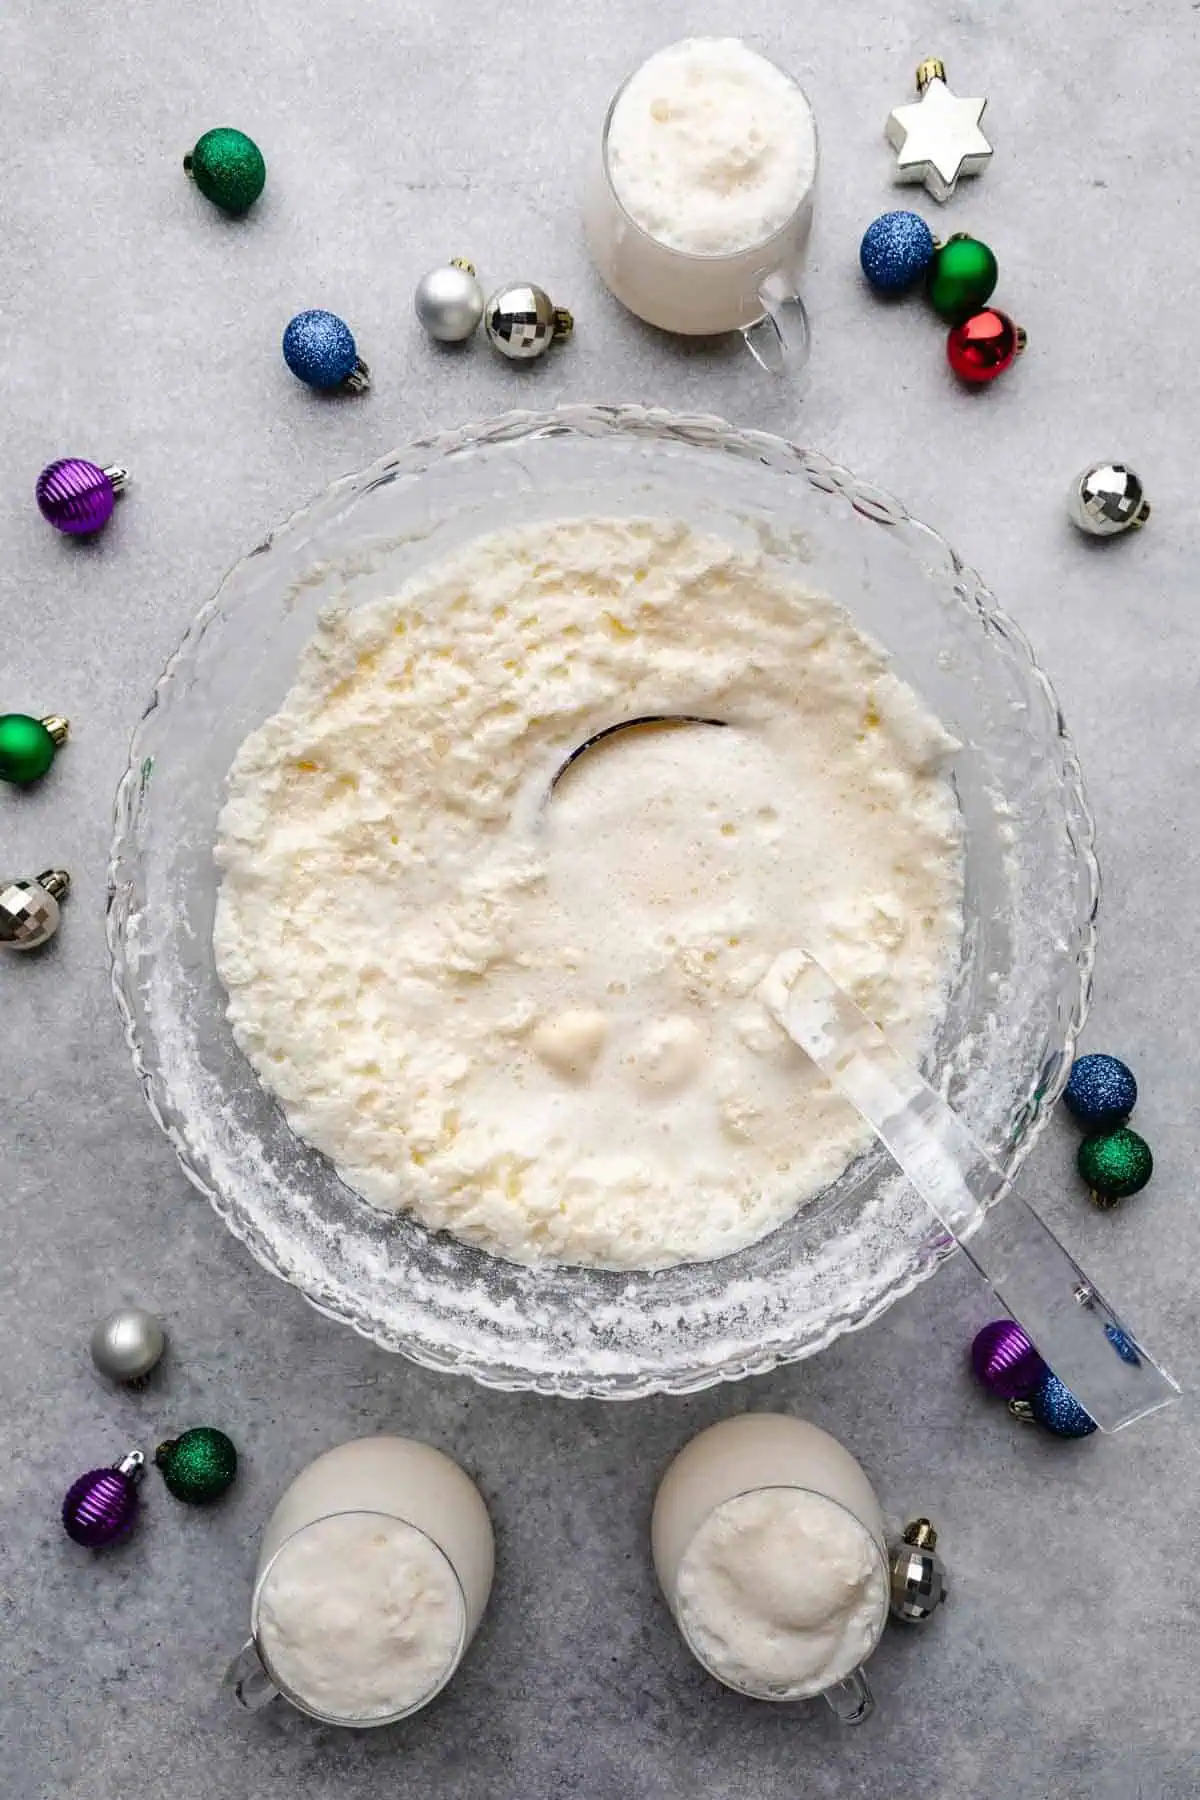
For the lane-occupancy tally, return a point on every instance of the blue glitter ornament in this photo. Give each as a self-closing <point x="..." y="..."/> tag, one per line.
<point x="1101" y="1092"/>
<point x="896" y="251"/>
<point x="1123" y="1344"/>
<point x="319" y="349"/>
<point x="1055" y="1409"/>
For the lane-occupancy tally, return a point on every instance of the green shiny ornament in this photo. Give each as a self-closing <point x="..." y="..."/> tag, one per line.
<point x="1115" y="1164"/>
<point x="199" y="1465"/>
<point x="228" y="168"/>
<point x="28" y="746"/>
<point x="962" y="277"/>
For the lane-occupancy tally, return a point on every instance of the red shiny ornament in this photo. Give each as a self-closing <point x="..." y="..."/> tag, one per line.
<point x="984" y="346"/>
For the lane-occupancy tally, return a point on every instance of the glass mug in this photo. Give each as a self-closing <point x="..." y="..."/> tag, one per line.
<point x="750" y="1455"/>
<point x="753" y="290"/>
<point x="377" y="1483"/>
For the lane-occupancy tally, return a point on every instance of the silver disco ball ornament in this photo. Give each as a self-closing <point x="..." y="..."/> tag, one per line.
<point x="522" y="322"/>
<point x="918" y="1575"/>
<point x="29" y="914"/>
<point x="1108" y="499"/>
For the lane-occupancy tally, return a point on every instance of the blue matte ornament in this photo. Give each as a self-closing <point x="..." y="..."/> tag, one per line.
<point x="319" y="349"/>
<point x="896" y="250"/>
<point x="1101" y="1092"/>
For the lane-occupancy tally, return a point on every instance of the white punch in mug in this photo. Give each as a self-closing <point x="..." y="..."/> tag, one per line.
<point x="700" y="206"/>
<point x="769" y="1545"/>
<point x="373" y="1575"/>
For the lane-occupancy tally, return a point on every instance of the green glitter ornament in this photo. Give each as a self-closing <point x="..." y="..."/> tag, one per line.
<point x="1115" y="1164"/>
<point x="962" y="276"/>
<point x="28" y="745"/>
<point x="228" y="168"/>
<point x="199" y="1465"/>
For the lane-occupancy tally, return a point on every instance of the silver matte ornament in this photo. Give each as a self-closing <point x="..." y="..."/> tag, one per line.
<point x="918" y="1575"/>
<point x="1107" y="499"/>
<point x="128" y="1344"/>
<point x="938" y="138"/>
<point x="522" y="322"/>
<point x="29" y="914"/>
<point x="449" y="302"/>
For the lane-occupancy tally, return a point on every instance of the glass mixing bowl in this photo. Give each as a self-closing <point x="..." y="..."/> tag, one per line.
<point x="1017" y="1002"/>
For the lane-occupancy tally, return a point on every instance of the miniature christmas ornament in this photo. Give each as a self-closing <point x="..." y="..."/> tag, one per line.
<point x="101" y="1506"/>
<point x="127" y="1344"/>
<point x="1124" y="1345"/>
<point x="1054" y="1407"/>
<point x="29" y="911"/>
<point x="1004" y="1360"/>
<point x="28" y="746"/>
<point x="919" y="1584"/>
<point x="319" y="349"/>
<point x="984" y="345"/>
<point x="199" y="1465"/>
<point x="449" y="302"/>
<point x="522" y="322"/>
<point x="896" y="250"/>
<point x="938" y="138"/>
<point x="1115" y="1164"/>
<point x="77" y="496"/>
<point x="962" y="278"/>
<point x="228" y="168"/>
<point x="1107" y="499"/>
<point x="1100" y="1092"/>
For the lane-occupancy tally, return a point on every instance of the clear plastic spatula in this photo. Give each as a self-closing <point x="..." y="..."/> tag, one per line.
<point x="1076" y="1331"/>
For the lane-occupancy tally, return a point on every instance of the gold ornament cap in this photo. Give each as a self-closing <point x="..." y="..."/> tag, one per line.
<point x="932" y="69"/>
<point x="58" y="727"/>
<point x="564" y="322"/>
<point x="921" y="1535"/>
<point x="460" y="262"/>
<point x="55" y="881"/>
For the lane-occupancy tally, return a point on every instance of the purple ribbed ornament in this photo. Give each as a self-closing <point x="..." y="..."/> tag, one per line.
<point x="77" y="496"/>
<point x="101" y="1506"/>
<point x="1005" y="1361"/>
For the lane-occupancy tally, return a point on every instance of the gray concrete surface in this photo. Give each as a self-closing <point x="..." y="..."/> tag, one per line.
<point x="136" y="323"/>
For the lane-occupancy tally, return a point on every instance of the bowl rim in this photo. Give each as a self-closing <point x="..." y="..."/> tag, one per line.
<point x="604" y="420"/>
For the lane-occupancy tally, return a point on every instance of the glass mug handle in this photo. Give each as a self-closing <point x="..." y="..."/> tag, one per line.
<point x="252" y="1686"/>
<point x="779" y="341"/>
<point x="851" y="1701"/>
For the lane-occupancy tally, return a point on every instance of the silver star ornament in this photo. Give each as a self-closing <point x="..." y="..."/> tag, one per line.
<point x="938" y="138"/>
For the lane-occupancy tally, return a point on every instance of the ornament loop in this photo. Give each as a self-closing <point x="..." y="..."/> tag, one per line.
<point x="850" y="1701"/>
